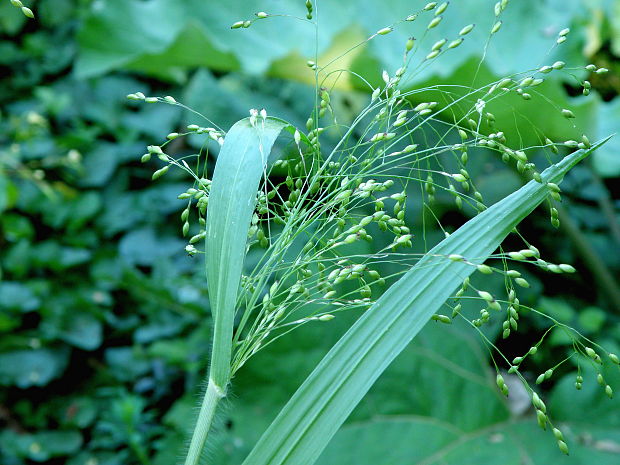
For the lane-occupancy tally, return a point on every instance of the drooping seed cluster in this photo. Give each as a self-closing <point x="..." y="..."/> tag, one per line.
<point x="324" y="205"/>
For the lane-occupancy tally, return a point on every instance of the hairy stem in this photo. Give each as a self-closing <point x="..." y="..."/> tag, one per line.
<point x="205" y="419"/>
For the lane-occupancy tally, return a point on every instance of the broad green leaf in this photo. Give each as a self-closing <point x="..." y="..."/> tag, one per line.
<point x="41" y="446"/>
<point x="27" y="368"/>
<point x="413" y="440"/>
<point x="240" y="166"/>
<point x="320" y="406"/>
<point x="194" y="33"/>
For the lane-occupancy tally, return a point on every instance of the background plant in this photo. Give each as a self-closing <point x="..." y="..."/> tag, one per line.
<point x="77" y="123"/>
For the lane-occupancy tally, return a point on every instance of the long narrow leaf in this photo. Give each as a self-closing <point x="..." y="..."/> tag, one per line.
<point x="240" y="164"/>
<point x="319" y="407"/>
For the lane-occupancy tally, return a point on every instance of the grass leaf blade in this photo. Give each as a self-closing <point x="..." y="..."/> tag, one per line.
<point x="240" y="166"/>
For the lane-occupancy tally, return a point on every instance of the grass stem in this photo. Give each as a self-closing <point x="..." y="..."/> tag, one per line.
<point x="212" y="397"/>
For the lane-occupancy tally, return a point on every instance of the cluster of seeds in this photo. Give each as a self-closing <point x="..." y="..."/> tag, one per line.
<point x="24" y="9"/>
<point x="317" y="210"/>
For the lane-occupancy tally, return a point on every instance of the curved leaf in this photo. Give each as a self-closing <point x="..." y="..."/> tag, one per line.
<point x="238" y="171"/>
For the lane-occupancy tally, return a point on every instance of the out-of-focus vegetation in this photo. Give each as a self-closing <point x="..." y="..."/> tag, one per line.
<point x="105" y="322"/>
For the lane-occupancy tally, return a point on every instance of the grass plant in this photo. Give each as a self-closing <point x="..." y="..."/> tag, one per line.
<point x="325" y="217"/>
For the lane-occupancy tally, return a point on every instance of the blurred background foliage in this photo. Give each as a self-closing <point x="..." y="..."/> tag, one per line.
<point x="105" y="322"/>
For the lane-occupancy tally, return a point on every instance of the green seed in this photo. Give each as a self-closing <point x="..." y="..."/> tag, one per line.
<point x="567" y="113"/>
<point x="563" y="447"/>
<point x="27" y="12"/>
<point x="567" y="268"/>
<point x="384" y="31"/>
<point x="522" y="282"/>
<point x="495" y="306"/>
<point x="542" y="419"/>
<point x="538" y="403"/>
<point x="484" y="269"/>
<point x="442" y="319"/>
<point x="434" y="22"/>
<point x="590" y="352"/>
<point x="467" y="29"/>
<point x="409" y="44"/>
<point x="437" y="45"/>
<point x="441" y="8"/>
<point x="455" y="43"/>
<point x="159" y="173"/>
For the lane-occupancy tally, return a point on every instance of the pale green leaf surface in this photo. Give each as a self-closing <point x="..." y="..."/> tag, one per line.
<point x="240" y="166"/>
<point x="423" y="441"/>
<point x="169" y="33"/>
<point x="607" y="160"/>
<point x="327" y="397"/>
<point x="27" y="368"/>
